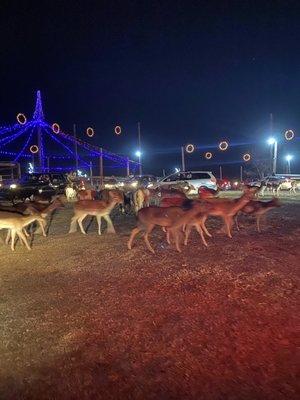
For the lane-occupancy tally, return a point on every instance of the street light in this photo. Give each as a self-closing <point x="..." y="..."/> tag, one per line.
<point x="288" y="158"/>
<point x="273" y="142"/>
<point x="138" y="154"/>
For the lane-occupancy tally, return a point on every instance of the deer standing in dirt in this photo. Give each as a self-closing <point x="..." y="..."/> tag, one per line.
<point x="293" y="188"/>
<point x="164" y="217"/>
<point x="258" y="209"/>
<point x="218" y="207"/>
<point x="16" y="223"/>
<point x="141" y="199"/>
<point x="98" y="208"/>
<point x="35" y="206"/>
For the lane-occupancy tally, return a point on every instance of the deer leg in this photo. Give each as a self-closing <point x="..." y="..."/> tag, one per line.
<point x="23" y="237"/>
<point x="176" y="236"/>
<point x="8" y="236"/>
<point x="258" y="219"/>
<point x="236" y="222"/>
<point x="98" y="217"/>
<point x="188" y="231"/>
<point x="25" y="232"/>
<point x="200" y="231"/>
<point x="133" y="234"/>
<point x="168" y="236"/>
<point x="110" y="227"/>
<point x="146" y="238"/>
<point x="228" y="225"/>
<point x="73" y="225"/>
<point x="80" y="224"/>
<point x="13" y="235"/>
<point x="42" y="227"/>
<point x="203" y="226"/>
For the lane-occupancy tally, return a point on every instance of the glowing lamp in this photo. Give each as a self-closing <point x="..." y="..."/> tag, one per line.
<point x="289" y="135"/>
<point x="208" y="155"/>
<point x="90" y="132"/>
<point x="247" y="157"/>
<point x="271" y="141"/>
<point x="223" y="145"/>
<point x="21" y="119"/>
<point x="138" y="153"/>
<point x="118" y="130"/>
<point x="34" y="149"/>
<point x="289" y="157"/>
<point x="55" y="128"/>
<point x="189" y="148"/>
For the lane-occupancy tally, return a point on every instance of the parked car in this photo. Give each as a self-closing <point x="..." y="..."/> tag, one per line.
<point x="47" y="184"/>
<point x="194" y="179"/>
<point x="145" y="181"/>
<point x="223" y="184"/>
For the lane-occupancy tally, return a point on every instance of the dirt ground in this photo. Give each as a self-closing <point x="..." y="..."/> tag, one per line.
<point x="82" y="317"/>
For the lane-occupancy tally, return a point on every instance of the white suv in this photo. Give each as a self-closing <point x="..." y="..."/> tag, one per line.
<point x="194" y="179"/>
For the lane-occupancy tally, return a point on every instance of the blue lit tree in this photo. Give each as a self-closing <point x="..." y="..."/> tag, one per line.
<point x="49" y="148"/>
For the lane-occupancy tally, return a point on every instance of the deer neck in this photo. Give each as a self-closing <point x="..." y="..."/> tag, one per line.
<point x="110" y="205"/>
<point x="239" y="204"/>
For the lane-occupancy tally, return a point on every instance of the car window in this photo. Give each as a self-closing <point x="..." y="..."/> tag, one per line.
<point x="172" y="178"/>
<point x="200" y="175"/>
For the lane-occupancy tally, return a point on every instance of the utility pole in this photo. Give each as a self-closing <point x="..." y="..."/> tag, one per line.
<point x="182" y="159"/>
<point x="139" y="148"/>
<point x="127" y="167"/>
<point x="75" y="147"/>
<point x="221" y="172"/>
<point x="241" y="173"/>
<point x="91" y="173"/>
<point x="274" y="147"/>
<point x="39" y="136"/>
<point x="101" y="167"/>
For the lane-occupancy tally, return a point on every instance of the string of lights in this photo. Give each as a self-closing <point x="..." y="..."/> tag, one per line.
<point x="25" y="146"/>
<point x="5" y="141"/>
<point x="7" y="129"/>
<point x="54" y="137"/>
<point x="12" y="153"/>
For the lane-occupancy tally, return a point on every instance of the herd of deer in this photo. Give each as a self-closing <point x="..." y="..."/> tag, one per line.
<point x="174" y="214"/>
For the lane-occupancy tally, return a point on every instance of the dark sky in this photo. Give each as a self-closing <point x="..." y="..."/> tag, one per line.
<point x="189" y="71"/>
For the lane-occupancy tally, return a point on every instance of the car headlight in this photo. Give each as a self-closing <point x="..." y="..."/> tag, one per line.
<point x="150" y="185"/>
<point x="134" y="184"/>
<point x="13" y="186"/>
<point x="40" y="190"/>
<point x="121" y="184"/>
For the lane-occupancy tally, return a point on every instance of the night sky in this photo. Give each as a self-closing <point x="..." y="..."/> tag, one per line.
<point x="193" y="72"/>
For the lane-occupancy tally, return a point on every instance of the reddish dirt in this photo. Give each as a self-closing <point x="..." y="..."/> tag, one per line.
<point x="82" y="317"/>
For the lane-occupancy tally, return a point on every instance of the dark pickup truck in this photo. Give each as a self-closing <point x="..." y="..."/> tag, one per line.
<point x="44" y="185"/>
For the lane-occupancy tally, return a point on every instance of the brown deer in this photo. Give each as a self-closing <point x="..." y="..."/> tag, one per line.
<point x="15" y="223"/>
<point x="164" y="217"/>
<point x="258" y="209"/>
<point x="37" y="207"/>
<point x="98" y="208"/>
<point x="224" y="208"/>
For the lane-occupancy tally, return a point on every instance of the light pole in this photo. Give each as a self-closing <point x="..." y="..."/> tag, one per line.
<point x="139" y="152"/>
<point x="273" y="142"/>
<point x="182" y="159"/>
<point x="288" y="158"/>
